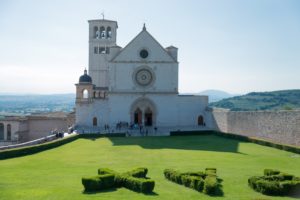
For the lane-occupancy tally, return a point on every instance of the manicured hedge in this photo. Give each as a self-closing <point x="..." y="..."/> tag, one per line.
<point x="99" y="182"/>
<point x="135" y="180"/>
<point x="23" y="151"/>
<point x="263" y="142"/>
<point x="274" y="183"/>
<point x="202" y="182"/>
<point x="138" y="184"/>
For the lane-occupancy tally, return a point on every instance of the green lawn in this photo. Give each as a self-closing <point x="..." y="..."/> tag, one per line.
<point x="56" y="174"/>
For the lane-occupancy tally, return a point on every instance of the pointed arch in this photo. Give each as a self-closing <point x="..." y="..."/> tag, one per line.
<point x="143" y="111"/>
<point x="1" y="131"/>
<point x="95" y="121"/>
<point x="8" y="132"/>
<point x="200" y="120"/>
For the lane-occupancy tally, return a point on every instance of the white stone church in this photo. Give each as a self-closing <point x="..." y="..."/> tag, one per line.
<point x="135" y="85"/>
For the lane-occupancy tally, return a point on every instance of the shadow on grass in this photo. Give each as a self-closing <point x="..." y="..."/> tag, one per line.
<point x="99" y="191"/>
<point x="115" y="189"/>
<point x="203" y="142"/>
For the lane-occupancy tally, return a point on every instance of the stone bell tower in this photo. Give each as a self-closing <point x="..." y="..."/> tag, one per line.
<point x="102" y="36"/>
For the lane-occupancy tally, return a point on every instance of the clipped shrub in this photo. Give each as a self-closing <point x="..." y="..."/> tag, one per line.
<point x="99" y="182"/>
<point x="269" y="172"/>
<point x="105" y="171"/>
<point x="210" y="184"/>
<point x="197" y="183"/>
<point x="210" y="171"/>
<point x="274" y="182"/>
<point x="139" y="184"/>
<point x="186" y="180"/>
<point x="139" y="172"/>
<point x="206" y="182"/>
<point x="134" y="180"/>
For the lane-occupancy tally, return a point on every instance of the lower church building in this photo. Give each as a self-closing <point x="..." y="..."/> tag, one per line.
<point x="136" y="85"/>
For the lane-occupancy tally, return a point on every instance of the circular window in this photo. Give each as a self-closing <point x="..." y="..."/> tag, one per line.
<point x="143" y="77"/>
<point x="144" y="53"/>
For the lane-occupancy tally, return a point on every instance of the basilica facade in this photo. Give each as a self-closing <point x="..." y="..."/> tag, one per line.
<point x="135" y="85"/>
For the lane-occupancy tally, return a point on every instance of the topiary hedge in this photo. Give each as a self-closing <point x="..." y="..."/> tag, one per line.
<point x="135" y="180"/>
<point x="203" y="182"/>
<point x="274" y="183"/>
<point x="100" y="182"/>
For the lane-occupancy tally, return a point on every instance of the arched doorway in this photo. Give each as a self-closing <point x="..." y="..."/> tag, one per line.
<point x="143" y="112"/>
<point x="137" y="116"/>
<point x="200" y="120"/>
<point x="95" y="121"/>
<point x="1" y="131"/>
<point x="148" y="117"/>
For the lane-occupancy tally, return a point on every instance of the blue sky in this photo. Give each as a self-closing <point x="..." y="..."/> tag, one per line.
<point x="233" y="45"/>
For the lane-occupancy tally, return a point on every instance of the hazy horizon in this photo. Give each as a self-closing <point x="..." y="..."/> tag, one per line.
<point x="234" y="46"/>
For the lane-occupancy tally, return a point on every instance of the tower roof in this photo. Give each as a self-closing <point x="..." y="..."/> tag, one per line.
<point x="85" y="78"/>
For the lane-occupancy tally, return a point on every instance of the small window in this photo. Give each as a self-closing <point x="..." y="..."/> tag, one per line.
<point x="95" y="50"/>
<point x="85" y="94"/>
<point x="107" y="50"/>
<point x="102" y="50"/>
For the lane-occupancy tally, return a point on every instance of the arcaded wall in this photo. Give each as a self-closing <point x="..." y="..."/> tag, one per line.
<point x="277" y="126"/>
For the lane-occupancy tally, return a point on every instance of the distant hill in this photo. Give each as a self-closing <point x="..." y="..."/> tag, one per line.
<point x="215" y="95"/>
<point x="276" y="100"/>
<point x="27" y="104"/>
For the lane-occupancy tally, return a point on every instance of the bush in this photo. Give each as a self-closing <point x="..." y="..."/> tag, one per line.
<point x="210" y="171"/>
<point x="139" y="184"/>
<point x="134" y="180"/>
<point x="23" y="151"/>
<point x="268" y="172"/>
<point x="206" y="182"/>
<point x="138" y="173"/>
<point x="197" y="183"/>
<point x="274" y="183"/>
<point x="105" y="171"/>
<point x="100" y="182"/>
<point x="210" y="184"/>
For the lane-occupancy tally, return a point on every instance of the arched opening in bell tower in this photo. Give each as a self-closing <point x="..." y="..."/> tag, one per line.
<point x="102" y="32"/>
<point x="85" y="94"/>
<point x="108" y="32"/>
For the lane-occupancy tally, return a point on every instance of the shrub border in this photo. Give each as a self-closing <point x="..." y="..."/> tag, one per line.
<point x="290" y="148"/>
<point x="29" y="150"/>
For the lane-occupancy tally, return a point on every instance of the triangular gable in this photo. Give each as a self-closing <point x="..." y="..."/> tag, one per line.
<point x="144" y="40"/>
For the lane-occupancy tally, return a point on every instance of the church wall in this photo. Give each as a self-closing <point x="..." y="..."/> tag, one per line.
<point x="144" y="41"/>
<point x="190" y="108"/>
<point x="170" y="109"/>
<point x="165" y="75"/>
<point x="85" y="113"/>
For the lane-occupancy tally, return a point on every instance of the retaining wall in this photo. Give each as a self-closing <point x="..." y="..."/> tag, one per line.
<point x="277" y="126"/>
